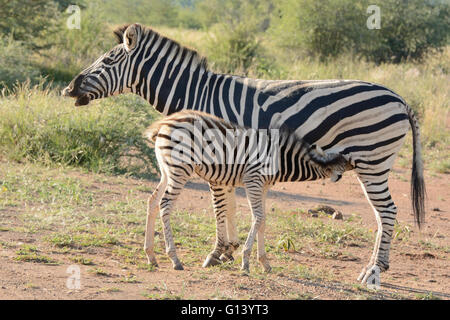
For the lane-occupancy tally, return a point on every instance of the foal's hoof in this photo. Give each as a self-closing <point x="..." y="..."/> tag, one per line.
<point x="226" y="258"/>
<point x="211" y="261"/>
<point x="267" y="269"/>
<point x="152" y="262"/>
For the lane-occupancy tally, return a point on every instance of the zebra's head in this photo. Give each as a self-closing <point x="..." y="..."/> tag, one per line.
<point x="110" y="74"/>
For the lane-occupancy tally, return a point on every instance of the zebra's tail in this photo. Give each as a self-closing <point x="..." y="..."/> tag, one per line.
<point x="417" y="180"/>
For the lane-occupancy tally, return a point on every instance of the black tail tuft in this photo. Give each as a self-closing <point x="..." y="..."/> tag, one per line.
<point x="417" y="182"/>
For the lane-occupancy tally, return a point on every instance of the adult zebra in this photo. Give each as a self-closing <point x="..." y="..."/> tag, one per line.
<point x="362" y="120"/>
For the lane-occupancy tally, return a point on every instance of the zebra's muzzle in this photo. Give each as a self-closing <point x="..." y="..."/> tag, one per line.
<point x="82" y="100"/>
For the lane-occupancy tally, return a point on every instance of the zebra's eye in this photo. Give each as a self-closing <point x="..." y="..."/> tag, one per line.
<point x="108" y="60"/>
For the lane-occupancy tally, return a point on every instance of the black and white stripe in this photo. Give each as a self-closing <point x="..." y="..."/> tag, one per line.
<point x="364" y="121"/>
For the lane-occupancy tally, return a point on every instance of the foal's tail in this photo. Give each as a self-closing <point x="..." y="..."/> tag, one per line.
<point x="151" y="132"/>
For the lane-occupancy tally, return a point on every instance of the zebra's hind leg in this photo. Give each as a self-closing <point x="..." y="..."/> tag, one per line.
<point x="219" y="195"/>
<point x="152" y="210"/>
<point x="377" y="193"/>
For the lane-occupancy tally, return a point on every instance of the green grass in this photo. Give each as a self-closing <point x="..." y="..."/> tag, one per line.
<point x="37" y="124"/>
<point x="71" y="215"/>
<point x="29" y="253"/>
<point x="85" y="224"/>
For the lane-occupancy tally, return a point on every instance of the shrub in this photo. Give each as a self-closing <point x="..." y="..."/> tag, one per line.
<point x="234" y="45"/>
<point x="15" y="63"/>
<point x="233" y="50"/>
<point x="38" y="125"/>
<point x="409" y="29"/>
<point x="28" y="20"/>
<point x="75" y="49"/>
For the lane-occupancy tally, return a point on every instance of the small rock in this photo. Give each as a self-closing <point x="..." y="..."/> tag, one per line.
<point x="437" y="209"/>
<point x="337" y="215"/>
<point x="322" y="208"/>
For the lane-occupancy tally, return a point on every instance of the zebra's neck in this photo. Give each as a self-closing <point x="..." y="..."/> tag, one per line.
<point x="172" y="77"/>
<point x="295" y="164"/>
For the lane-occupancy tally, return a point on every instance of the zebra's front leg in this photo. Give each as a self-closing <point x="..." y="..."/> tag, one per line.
<point x="231" y="225"/>
<point x="152" y="210"/>
<point x="385" y="212"/>
<point x="170" y="195"/>
<point x="262" y="256"/>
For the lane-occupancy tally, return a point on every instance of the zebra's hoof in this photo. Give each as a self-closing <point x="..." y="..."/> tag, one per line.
<point x="226" y="258"/>
<point x="178" y="266"/>
<point x="362" y="274"/>
<point x="267" y="268"/>
<point x="245" y="269"/>
<point x="211" y="261"/>
<point x="152" y="262"/>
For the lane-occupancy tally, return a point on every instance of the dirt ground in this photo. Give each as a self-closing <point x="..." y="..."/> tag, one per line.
<point x="419" y="267"/>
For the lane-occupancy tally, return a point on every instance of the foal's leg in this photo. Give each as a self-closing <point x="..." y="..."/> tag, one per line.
<point x="262" y="257"/>
<point x="176" y="182"/>
<point x="255" y="196"/>
<point x="224" y="202"/>
<point x="218" y="194"/>
<point x="152" y="210"/>
<point x="231" y="226"/>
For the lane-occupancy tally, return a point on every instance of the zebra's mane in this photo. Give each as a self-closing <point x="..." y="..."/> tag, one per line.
<point x="196" y="57"/>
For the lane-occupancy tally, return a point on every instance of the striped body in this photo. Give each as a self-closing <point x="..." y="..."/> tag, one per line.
<point x="253" y="160"/>
<point x="363" y="121"/>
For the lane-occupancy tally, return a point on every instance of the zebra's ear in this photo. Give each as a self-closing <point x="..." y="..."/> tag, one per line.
<point x="130" y="36"/>
<point x="118" y="33"/>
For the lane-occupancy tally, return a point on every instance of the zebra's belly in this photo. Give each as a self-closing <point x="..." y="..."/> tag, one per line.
<point x="221" y="174"/>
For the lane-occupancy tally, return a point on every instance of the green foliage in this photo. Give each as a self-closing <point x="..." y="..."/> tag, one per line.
<point x="36" y="124"/>
<point x="319" y="28"/>
<point x="15" y="64"/>
<point x="234" y="49"/>
<point x="77" y="48"/>
<point x="409" y="29"/>
<point x="30" y="21"/>
<point x="148" y="12"/>
<point x="235" y="26"/>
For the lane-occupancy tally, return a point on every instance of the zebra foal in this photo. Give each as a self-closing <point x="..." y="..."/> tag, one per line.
<point x="226" y="154"/>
